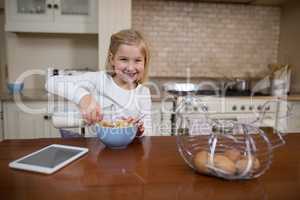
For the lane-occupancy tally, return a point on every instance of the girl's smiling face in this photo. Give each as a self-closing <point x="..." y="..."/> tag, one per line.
<point x="128" y="64"/>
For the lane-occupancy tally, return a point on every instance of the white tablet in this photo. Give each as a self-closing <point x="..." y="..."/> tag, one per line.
<point x="49" y="159"/>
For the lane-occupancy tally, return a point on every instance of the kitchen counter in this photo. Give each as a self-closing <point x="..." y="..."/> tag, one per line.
<point x="294" y="97"/>
<point x="40" y="95"/>
<point x="43" y="95"/>
<point x="148" y="169"/>
<point x="27" y="95"/>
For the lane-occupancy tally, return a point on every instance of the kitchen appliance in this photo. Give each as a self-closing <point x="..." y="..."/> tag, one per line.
<point x="224" y="148"/>
<point x="178" y="90"/>
<point x="242" y="85"/>
<point x="201" y="88"/>
<point x="66" y="114"/>
<point x="67" y="72"/>
<point x="181" y="89"/>
<point x="241" y="109"/>
<point x="235" y="84"/>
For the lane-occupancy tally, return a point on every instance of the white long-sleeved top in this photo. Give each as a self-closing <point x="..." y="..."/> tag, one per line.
<point x="136" y="102"/>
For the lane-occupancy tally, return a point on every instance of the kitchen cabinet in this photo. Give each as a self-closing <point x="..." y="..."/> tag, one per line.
<point x="156" y="117"/>
<point x="293" y="122"/>
<point x="161" y="118"/>
<point x="53" y="16"/>
<point x="1" y="122"/>
<point x="22" y="124"/>
<point x="292" y="119"/>
<point x="1" y="4"/>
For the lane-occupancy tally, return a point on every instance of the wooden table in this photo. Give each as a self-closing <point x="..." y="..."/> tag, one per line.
<point x="147" y="169"/>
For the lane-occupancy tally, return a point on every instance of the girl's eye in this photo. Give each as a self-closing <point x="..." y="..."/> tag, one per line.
<point x="138" y="60"/>
<point x="124" y="59"/>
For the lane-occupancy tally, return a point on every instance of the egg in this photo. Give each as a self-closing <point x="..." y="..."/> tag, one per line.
<point x="200" y="161"/>
<point x="242" y="164"/>
<point x="225" y="164"/>
<point x="233" y="154"/>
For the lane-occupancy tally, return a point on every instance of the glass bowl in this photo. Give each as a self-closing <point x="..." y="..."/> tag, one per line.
<point x="242" y="151"/>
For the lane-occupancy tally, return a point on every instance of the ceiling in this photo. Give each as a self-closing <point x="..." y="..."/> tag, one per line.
<point x="254" y="2"/>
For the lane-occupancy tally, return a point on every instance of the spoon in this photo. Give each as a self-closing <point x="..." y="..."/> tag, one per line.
<point x="139" y="119"/>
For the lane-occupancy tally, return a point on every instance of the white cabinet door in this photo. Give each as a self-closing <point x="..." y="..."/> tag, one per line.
<point x="76" y="11"/>
<point x="22" y="124"/>
<point x="161" y="118"/>
<point x="57" y="16"/>
<point x="29" y="11"/>
<point x="293" y="122"/>
<point x="27" y="15"/>
<point x="1" y="122"/>
<point x="50" y="130"/>
<point x="76" y="16"/>
<point x="19" y="124"/>
<point x="155" y="115"/>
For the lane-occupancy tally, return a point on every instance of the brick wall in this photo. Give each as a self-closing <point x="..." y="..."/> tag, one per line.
<point x="211" y="40"/>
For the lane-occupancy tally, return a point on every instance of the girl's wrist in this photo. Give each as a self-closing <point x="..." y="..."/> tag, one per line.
<point x="85" y="101"/>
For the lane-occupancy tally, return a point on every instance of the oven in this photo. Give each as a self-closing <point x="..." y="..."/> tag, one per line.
<point x="259" y="111"/>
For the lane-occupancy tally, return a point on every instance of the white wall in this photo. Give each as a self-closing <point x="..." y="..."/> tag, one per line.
<point x="289" y="47"/>
<point x="211" y="39"/>
<point x="2" y="51"/>
<point x="114" y="15"/>
<point x="40" y="51"/>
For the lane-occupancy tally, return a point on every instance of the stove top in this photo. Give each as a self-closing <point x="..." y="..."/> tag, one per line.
<point x="230" y="93"/>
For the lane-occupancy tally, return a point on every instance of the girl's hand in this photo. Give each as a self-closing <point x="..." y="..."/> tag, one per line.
<point x="140" y="125"/>
<point x="141" y="129"/>
<point x="90" y="109"/>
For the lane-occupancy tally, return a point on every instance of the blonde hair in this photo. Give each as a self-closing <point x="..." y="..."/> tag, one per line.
<point x="128" y="37"/>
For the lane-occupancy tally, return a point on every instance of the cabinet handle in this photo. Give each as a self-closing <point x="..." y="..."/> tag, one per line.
<point x="55" y="6"/>
<point x="47" y="117"/>
<point x="49" y="6"/>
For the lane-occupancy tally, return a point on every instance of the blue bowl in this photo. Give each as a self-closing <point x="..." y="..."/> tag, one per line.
<point x="116" y="138"/>
<point x="15" y="87"/>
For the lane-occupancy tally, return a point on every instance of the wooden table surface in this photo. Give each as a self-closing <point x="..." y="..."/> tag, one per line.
<point x="148" y="169"/>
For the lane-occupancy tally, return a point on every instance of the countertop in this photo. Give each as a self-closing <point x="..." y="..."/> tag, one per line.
<point x="38" y="95"/>
<point x="150" y="168"/>
<point x="42" y="95"/>
<point x="27" y="95"/>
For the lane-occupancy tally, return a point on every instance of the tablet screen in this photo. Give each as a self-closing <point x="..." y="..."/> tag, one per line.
<point x="50" y="157"/>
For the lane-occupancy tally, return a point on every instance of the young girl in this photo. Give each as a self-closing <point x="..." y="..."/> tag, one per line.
<point x="118" y="92"/>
